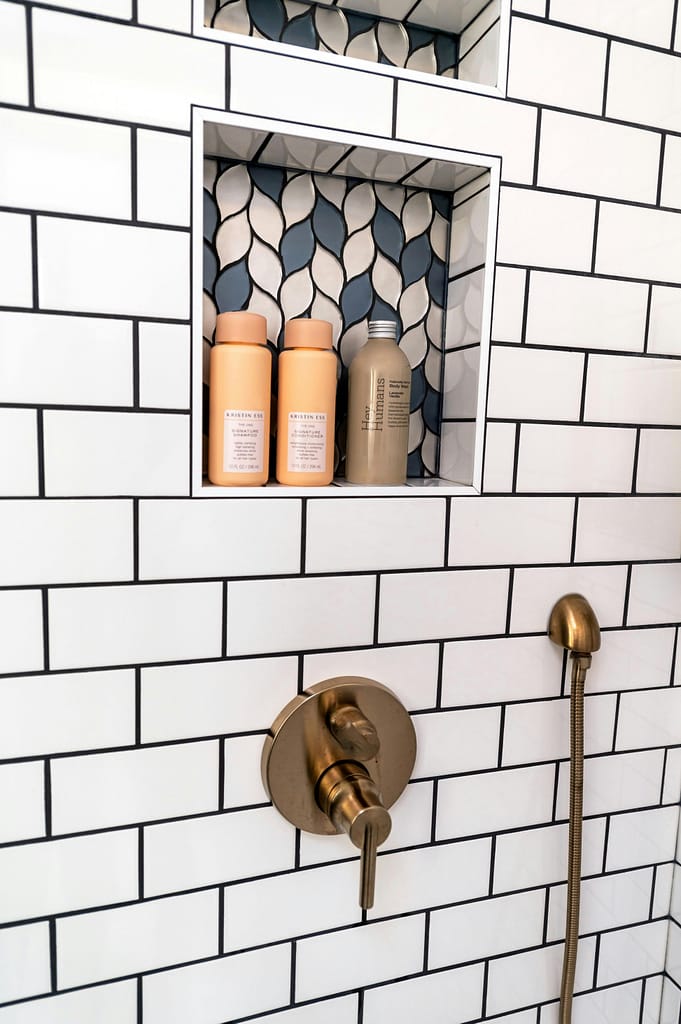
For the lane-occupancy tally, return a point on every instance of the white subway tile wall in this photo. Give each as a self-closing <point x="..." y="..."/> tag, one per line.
<point x="148" y="639"/>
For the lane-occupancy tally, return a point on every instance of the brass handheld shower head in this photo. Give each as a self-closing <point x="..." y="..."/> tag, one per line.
<point x="573" y="625"/>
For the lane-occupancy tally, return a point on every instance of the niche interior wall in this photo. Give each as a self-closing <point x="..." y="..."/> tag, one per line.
<point x="150" y="632"/>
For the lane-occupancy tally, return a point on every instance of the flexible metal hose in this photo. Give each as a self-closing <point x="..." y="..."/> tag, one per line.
<point x="580" y="665"/>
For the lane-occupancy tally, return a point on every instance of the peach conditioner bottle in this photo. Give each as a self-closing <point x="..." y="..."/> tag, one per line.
<point x="240" y="395"/>
<point x="306" y="407"/>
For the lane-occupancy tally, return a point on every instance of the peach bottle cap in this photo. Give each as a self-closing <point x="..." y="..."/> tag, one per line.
<point x="249" y="327"/>
<point x="307" y="333"/>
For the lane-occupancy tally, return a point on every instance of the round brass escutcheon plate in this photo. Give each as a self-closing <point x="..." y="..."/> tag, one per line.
<point x="301" y="747"/>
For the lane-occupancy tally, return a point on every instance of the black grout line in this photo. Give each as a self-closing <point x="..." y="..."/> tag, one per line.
<point x="492" y="864"/>
<point x="652" y="893"/>
<point x="606" y="837"/>
<point x="526" y="303"/>
<point x="47" y="796"/>
<point x="618" y="698"/>
<point x="44" y="597"/>
<point x="606" y="77"/>
<point x="296" y="852"/>
<point x="585" y="376"/>
<point x="627" y="594"/>
<point x="634" y="471"/>
<point x="294" y="954"/>
<point x="509" y="602"/>
<point x="221" y="774"/>
<point x="140" y="1001"/>
<point x="466" y="273"/>
<point x="140" y="862"/>
<point x="675" y="16"/>
<point x="30" y="58"/>
<point x="556" y="780"/>
<point x="221" y="920"/>
<point x="228" y="77"/>
<point x="135" y="364"/>
<point x="595" y="241"/>
<point x="440" y="673"/>
<point x="40" y="452"/>
<point x="225" y="596"/>
<point x="674" y="650"/>
<point x="393" y="118"/>
<point x="516" y="459"/>
<point x="485" y="985"/>
<point x="663" y="144"/>
<point x="135" y="14"/>
<point x="360" y="1006"/>
<point x="135" y="539"/>
<point x="133" y="174"/>
<point x="303" y="535"/>
<point x="35" y="278"/>
<point x="480" y="38"/>
<point x="664" y="772"/>
<point x="52" y="924"/>
<point x="448" y="520"/>
<point x="502" y="719"/>
<point x="426" y="941"/>
<point x="377" y="608"/>
<point x="642" y="1002"/>
<point x="433" y="814"/>
<point x="573" y="542"/>
<point x="138" y="706"/>
<point x="535" y="172"/>
<point x="646" y="330"/>
<point x="598" y="276"/>
<point x="597" y="954"/>
<point x="545" y="926"/>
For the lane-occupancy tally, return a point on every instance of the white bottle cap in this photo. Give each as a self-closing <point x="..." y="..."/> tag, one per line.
<point x="382" y="329"/>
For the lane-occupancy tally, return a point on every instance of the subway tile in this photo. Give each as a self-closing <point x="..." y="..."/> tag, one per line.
<point x="672" y="777"/>
<point x="243" y="784"/>
<point x="474" y="931"/>
<point x="665" y="310"/>
<point x="469" y="233"/>
<point x="181" y="539"/>
<point x="219" y="848"/>
<point x="655" y="595"/>
<point x="65" y="541"/>
<point x="25" y="959"/>
<point x="480" y="64"/>
<point x="463" y="317"/>
<point x="186" y="701"/>
<point x="671" y="174"/>
<point x="494" y="801"/>
<point x="236" y="986"/>
<point x="175" y="15"/>
<point x="619" y="782"/>
<point x="21" y="631"/>
<point x="542" y="66"/>
<point x="662" y="891"/>
<point x="430" y="606"/>
<point x="626" y="389"/>
<point x="535" y="592"/>
<point x="163" y="177"/>
<point x="89" y="165"/>
<point x="103" y="790"/>
<point x="121" y="625"/>
<point x="164" y="357"/>
<point x="107" y="1004"/>
<point x="456" y="741"/>
<point x="109" y="8"/>
<point x="418" y="879"/>
<point x="370" y="533"/>
<point x="410" y="671"/>
<point x="22" y="801"/>
<point x="63" y="875"/>
<point x="621" y="1003"/>
<point x="533" y="384"/>
<point x="457" y="451"/>
<point x="594" y="312"/>
<point x="460" y="387"/>
<point x="659" y="461"/>
<point x="632" y="659"/>
<point x="650" y="24"/>
<point x="642" y="837"/>
<point x="611" y="901"/>
<point x="13" y="55"/>
<point x="529" y="978"/>
<point x="542" y="530"/>
<point x="509" y="302"/>
<point x="582" y="154"/>
<point x="619" y="529"/>
<point x="497" y="671"/>
<point x="357" y="957"/>
<point x="297" y="904"/>
<point x="499" y="457"/>
<point x="290" y="615"/>
<point x="166" y="74"/>
<point x="449" y="997"/>
<point x="632" y="952"/>
<point x="575" y="458"/>
<point x="113" y="453"/>
<point x="36" y="712"/>
<point x="65" y="360"/>
<point x="672" y="963"/>
<point x="309" y="92"/>
<point x="538" y="856"/>
<point x="642" y="86"/>
<point x="653" y="241"/>
<point x="336" y="1011"/>
<point x="649" y="719"/>
<point x="540" y="731"/>
<point x="544" y="229"/>
<point x="16" y="275"/>
<point x="129" y="940"/>
<point x="670" y="1003"/>
<point x="92" y="267"/>
<point x="536" y="7"/>
<point x="463" y="120"/>
<point x="18" y="452"/>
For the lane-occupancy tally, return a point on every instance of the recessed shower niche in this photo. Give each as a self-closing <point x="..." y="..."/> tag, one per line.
<point x="349" y="229"/>
<point x="464" y="40"/>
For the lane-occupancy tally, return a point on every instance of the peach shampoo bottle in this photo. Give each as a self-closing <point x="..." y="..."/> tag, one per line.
<point x="240" y="395"/>
<point x="306" y="408"/>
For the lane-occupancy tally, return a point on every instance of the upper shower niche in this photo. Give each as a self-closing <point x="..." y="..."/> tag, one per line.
<point x="453" y="39"/>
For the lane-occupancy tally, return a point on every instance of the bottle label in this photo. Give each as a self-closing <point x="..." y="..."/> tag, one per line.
<point x="390" y="405"/>
<point x="306" y="442"/>
<point x="244" y="441"/>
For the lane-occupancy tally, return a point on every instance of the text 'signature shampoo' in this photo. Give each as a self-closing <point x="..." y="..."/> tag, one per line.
<point x="379" y="388"/>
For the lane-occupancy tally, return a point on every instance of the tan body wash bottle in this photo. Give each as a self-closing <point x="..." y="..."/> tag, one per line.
<point x="306" y="406"/>
<point x="379" y="389"/>
<point x="240" y="395"/>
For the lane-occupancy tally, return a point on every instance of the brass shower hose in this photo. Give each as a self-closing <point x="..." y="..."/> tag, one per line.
<point x="574" y="626"/>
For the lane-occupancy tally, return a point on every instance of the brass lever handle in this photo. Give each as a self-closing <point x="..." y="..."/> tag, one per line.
<point x="353" y="730"/>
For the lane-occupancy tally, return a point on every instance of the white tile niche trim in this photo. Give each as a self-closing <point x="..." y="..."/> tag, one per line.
<point x="232" y="132"/>
<point x="456" y="16"/>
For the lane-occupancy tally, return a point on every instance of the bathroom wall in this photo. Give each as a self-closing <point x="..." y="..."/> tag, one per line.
<point x="148" y="639"/>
